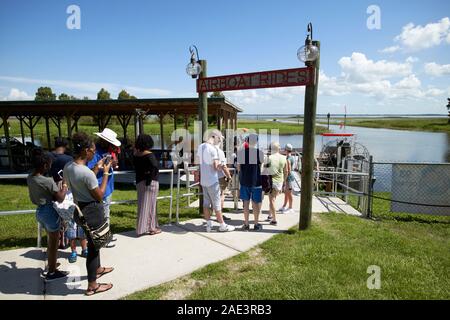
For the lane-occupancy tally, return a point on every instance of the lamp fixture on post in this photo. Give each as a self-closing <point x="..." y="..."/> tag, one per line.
<point x="194" y="68"/>
<point x="197" y="69"/>
<point x="309" y="52"/>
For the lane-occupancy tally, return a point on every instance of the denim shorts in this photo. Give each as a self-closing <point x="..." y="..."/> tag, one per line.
<point x="253" y="193"/>
<point x="74" y="231"/>
<point x="47" y="216"/>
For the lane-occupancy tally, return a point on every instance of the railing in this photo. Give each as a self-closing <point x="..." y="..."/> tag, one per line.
<point x="39" y="232"/>
<point x="343" y="179"/>
<point x="234" y="188"/>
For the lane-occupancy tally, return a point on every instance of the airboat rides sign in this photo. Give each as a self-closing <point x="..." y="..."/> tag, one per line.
<point x="258" y="80"/>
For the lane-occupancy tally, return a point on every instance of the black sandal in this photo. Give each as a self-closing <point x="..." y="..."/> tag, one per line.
<point x="104" y="272"/>
<point x="96" y="290"/>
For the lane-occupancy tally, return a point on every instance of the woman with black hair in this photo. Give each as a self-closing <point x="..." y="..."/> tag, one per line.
<point x="88" y="196"/>
<point x="43" y="191"/>
<point x="147" y="169"/>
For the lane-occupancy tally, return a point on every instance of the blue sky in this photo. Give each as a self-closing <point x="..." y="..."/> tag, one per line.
<point x="142" y="46"/>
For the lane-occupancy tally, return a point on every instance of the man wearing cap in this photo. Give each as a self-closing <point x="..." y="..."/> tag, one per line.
<point x="249" y="161"/>
<point x="208" y="158"/>
<point x="106" y="145"/>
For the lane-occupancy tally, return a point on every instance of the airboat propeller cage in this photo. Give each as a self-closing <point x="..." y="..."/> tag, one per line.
<point x="334" y="152"/>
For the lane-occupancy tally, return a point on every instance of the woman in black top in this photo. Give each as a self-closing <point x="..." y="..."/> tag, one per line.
<point x="146" y="166"/>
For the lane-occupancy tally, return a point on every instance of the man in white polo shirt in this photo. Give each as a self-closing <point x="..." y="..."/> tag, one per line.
<point x="208" y="158"/>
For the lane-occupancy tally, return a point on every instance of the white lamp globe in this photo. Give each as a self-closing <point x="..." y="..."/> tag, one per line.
<point x="307" y="53"/>
<point x="193" y="69"/>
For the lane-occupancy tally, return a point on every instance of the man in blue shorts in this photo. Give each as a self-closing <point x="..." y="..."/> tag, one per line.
<point x="249" y="161"/>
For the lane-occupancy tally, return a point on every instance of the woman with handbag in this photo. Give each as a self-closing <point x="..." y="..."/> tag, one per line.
<point x="147" y="170"/>
<point x="88" y="195"/>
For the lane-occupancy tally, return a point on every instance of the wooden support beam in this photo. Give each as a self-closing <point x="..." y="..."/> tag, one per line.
<point x="69" y="129"/>
<point x="22" y="134"/>
<point x="175" y="121"/>
<point x="8" y="142"/>
<point x="124" y="121"/>
<point x="219" y="120"/>
<point x="161" y="127"/>
<point x="47" y="130"/>
<point x="57" y="122"/>
<point x="186" y="121"/>
<point x="75" y="122"/>
<point x="31" y="125"/>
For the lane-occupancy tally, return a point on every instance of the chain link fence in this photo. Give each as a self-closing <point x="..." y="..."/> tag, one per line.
<point x="413" y="188"/>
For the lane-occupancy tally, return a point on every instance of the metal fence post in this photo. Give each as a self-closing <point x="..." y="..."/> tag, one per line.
<point x="171" y="197"/>
<point x="370" y="189"/>
<point x="39" y="235"/>
<point x="178" y="195"/>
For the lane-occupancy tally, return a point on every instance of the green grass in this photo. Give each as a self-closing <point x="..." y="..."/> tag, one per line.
<point x="19" y="231"/>
<point x="328" y="261"/>
<point x="414" y="124"/>
<point x="284" y="128"/>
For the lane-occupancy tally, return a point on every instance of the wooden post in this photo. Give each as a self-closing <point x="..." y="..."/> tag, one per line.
<point x="47" y="129"/>
<point x="203" y="117"/>
<point x="22" y="134"/>
<point x="219" y="122"/>
<point x="175" y="121"/>
<point x="186" y="121"/>
<point x="307" y="177"/>
<point x="8" y="142"/>
<point x="69" y="129"/>
<point x="203" y="101"/>
<point x="161" y="130"/>
<point x="30" y="118"/>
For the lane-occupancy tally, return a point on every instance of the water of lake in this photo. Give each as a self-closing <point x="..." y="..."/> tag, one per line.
<point x="382" y="144"/>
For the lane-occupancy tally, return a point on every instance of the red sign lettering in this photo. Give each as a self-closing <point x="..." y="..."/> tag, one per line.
<point x="258" y="80"/>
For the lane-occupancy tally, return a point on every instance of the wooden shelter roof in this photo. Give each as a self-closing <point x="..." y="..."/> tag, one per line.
<point x="113" y="107"/>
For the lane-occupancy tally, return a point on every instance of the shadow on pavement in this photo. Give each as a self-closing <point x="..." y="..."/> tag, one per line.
<point x="26" y="281"/>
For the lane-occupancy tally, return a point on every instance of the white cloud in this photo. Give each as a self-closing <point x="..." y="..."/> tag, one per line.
<point x="360" y="69"/>
<point x="253" y="97"/>
<point x="414" y="38"/>
<point x="113" y="88"/>
<point x="412" y="59"/>
<point x="16" y="94"/>
<point x="437" y="70"/>
<point x="332" y="86"/>
<point x="410" y="82"/>
<point x="390" y="49"/>
<point x="434" y="92"/>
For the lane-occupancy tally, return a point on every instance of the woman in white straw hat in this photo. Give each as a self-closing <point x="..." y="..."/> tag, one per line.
<point x="107" y="147"/>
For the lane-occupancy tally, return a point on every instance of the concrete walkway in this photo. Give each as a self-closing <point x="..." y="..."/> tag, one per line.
<point x="146" y="261"/>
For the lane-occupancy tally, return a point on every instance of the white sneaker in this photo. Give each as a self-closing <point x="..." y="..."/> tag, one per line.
<point x="226" y="228"/>
<point x="290" y="210"/>
<point x="208" y="227"/>
<point x="282" y="209"/>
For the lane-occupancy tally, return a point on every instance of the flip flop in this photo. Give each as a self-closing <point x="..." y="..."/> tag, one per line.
<point x="97" y="289"/>
<point x="105" y="271"/>
<point x="155" y="232"/>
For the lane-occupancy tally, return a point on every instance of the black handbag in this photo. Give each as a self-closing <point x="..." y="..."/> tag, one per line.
<point x="266" y="182"/>
<point x="100" y="235"/>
